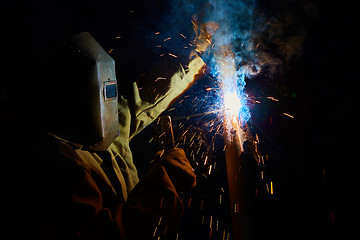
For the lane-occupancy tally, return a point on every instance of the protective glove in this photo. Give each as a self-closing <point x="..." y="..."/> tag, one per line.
<point x="204" y="32"/>
<point x="154" y="203"/>
<point x="177" y="167"/>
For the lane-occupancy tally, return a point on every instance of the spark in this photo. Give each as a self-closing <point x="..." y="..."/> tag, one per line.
<point x="160" y="78"/>
<point x="272" y="98"/>
<point x="191" y="139"/>
<point x="288" y="115"/>
<point x="182" y="36"/>
<point x="236" y="208"/>
<point x="162" y="134"/>
<point x="155" y="231"/>
<point x="185" y="133"/>
<point x="173" y="55"/>
<point x="111" y="50"/>
<point x="194" y="24"/>
<point x="205" y="161"/>
<point x="159" y="221"/>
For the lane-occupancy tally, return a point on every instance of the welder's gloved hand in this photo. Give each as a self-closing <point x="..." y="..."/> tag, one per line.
<point x="154" y="203"/>
<point x="177" y="167"/>
<point x="204" y="40"/>
<point x="204" y="32"/>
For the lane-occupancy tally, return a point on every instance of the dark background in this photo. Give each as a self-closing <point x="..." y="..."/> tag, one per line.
<point x="310" y="156"/>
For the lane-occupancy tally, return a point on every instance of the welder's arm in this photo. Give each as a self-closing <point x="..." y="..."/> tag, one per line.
<point x="146" y="103"/>
<point x="152" y="209"/>
<point x="153" y="95"/>
<point x="154" y="203"/>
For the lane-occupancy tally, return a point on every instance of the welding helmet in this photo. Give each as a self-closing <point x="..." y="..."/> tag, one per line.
<point x="85" y="111"/>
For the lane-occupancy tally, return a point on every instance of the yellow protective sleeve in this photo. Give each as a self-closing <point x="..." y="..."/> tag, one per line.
<point x="148" y="99"/>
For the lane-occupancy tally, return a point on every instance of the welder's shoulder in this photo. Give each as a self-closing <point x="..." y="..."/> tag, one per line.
<point x="55" y="155"/>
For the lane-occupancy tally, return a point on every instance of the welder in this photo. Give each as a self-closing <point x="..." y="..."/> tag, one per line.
<point x="83" y="182"/>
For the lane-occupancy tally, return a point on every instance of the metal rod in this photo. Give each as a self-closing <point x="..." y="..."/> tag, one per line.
<point x="234" y="138"/>
<point x="166" y="128"/>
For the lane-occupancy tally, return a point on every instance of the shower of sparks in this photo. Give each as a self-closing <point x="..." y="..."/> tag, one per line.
<point x="222" y="98"/>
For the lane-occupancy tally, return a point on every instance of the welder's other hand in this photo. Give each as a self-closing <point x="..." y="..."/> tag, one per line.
<point x="178" y="168"/>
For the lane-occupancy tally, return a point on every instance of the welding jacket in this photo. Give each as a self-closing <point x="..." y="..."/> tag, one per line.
<point x="69" y="193"/>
